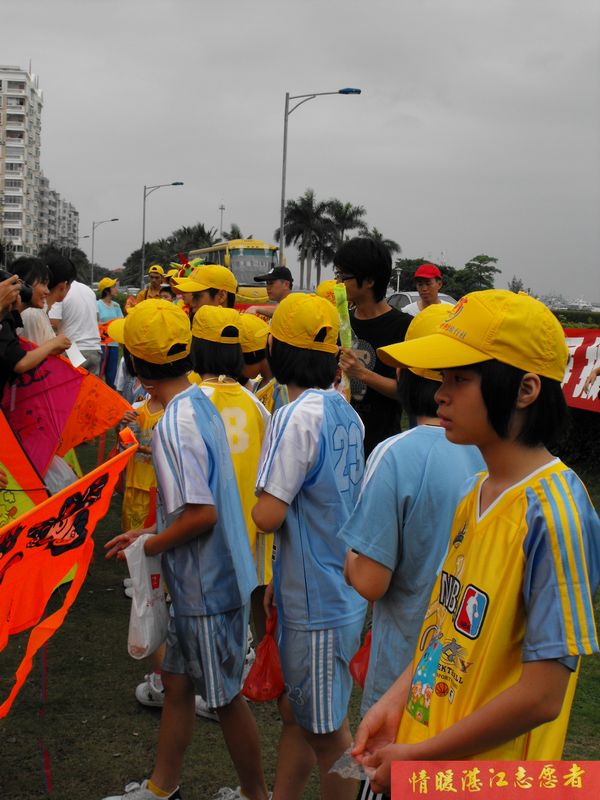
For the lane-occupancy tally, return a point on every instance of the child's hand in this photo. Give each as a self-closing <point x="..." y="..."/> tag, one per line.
<point x="378" y="766"/>
<point x="269" y="600"/>
<point x="377" y="729"/>
<point x="116" y="546"/>
<point x="129" y="417"/>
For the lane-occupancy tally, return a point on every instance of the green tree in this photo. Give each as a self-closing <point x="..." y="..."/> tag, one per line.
<point x="304" y="226"/>
<point x="477" y="274"/>
<point x="515" y="285"/>
<point x="235" y="232"/>
<point x="376" y="235"/>
<point x="163" y="251"/>
<point x="404" y="270"/>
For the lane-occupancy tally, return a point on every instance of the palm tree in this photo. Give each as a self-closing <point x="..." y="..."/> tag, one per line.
<point x="304" y="226"/>
<point x="235" y="232"/>
<point x="344" y="218"/>
<point x="377" y="236"/>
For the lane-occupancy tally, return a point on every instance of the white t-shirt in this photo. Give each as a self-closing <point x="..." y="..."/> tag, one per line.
<point x="413" y="308"/>
<point x="36" y="326"/>
<point x="78" y="314"/>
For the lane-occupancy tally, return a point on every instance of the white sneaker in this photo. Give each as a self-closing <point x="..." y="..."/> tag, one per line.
<point x="128" y="591"/>
<point x="127" y="582"/>
<point x="137" y="791"/>
<point x="227" y="793"/>
<point x="202" y="709"/>
<point x="151" y="692"/>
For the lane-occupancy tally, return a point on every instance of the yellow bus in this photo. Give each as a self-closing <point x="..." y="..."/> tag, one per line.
<point x="245" y="258"/>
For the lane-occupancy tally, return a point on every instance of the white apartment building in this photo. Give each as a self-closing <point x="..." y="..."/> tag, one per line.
<point x="20" y="126"/>
<point x="31" y="214"/>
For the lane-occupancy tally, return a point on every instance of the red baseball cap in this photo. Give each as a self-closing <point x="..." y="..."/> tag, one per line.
<point x="428" y="271"/>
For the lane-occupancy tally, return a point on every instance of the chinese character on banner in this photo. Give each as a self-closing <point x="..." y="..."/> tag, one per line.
<point x="547" y="778"/>
<point x="497" y="778"/>
<point x="470" y="780"/>
<point x="574" y="777"/>
<point x="522" y="779"/>
<point x="444" y="781"/>
<point x="419" y="782"/>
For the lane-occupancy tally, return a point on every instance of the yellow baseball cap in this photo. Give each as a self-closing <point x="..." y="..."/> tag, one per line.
<point x="172" y="273"/>
<point x="210" y="322"/>
<point x="424" y="324"/>
<point x="515" y="329"/>
<point x="208" y="276"/>
<point x="298" y="319"/>
<point x="254" y="333"/>
<point x="156" y="331"/>
<point x="326" y="289"/>
<point x="106" y="283"/>
<point x="156" y="269"/>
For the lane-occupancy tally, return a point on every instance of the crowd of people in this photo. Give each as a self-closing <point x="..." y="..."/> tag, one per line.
<point x="476" y="548"/>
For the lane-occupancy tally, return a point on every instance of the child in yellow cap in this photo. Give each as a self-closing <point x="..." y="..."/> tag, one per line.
<point x="309" y="479"/>
<point x="205" y="554"/>
<point x="511" y="611"/>
<point x="254" y="333"/>
<point x="218" y="360"/>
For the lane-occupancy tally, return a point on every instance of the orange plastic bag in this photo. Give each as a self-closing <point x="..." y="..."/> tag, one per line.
<point x="265" y="679"/>
<point x="359" y="663"/>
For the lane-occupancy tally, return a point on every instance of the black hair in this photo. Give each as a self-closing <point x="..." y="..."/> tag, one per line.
<point x="128" y="362"/>
<point x="366" y="259"/>
<point x="166" y="287"/>
<point x="105" y="291"/>
<point x="545" y="419"/>
<point x="60" y="269"/>
<point x="216" y="358"/>
<point x="213" y="293"/>
<point x="148" y="371"/>
<point x="417" y="394"/>
<point x="30" y="269"/>
<point x="304" y="368"/>
<point x="254" y="357"/>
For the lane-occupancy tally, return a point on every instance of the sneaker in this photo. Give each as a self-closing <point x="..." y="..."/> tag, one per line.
<point x="127" y="582"/>
<point x="151" y="692"/>
<point x="202" y="709"/>
<point x="128" y="591"/>
<point x="140" y="791"/>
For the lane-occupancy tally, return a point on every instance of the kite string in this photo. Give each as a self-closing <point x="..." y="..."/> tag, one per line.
<point x="42" y="714"/>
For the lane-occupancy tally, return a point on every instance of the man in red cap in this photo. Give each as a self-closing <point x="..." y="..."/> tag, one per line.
<point x="428" y="279"/>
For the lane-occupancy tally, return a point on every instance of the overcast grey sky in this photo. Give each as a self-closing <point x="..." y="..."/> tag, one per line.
<point x="477" y="130"/>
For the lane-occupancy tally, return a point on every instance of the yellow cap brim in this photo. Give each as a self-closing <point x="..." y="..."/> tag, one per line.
<point x="434" y="352"/>
<point x="188" y="285"/>
<point x="116" y="330"/>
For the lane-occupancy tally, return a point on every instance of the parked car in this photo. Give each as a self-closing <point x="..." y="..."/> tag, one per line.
<point x="400" y="299"/>
<point x="132" y="290"/>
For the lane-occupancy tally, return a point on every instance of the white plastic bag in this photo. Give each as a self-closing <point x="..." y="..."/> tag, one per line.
<point x="149" y="614"/>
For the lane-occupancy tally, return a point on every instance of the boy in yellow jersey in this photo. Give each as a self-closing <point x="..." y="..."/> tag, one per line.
<point x="254" y="333"/>
<point x="511" y="611"/>
<point x="208" y="284"/>
<point x="217" y="359"/>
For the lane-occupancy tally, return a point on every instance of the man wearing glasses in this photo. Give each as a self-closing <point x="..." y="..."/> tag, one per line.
<point x="428" y="280"/>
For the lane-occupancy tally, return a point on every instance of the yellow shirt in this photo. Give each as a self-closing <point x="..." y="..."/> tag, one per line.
<point x="140" y="472"/>
<point x="246" y="423"/>
<point x="516" y="586"/>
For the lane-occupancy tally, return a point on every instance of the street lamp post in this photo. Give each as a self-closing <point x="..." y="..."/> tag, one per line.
<point x="303" y="98"/>
<point x="148" y="190"/>
<point x="94" y="226"/>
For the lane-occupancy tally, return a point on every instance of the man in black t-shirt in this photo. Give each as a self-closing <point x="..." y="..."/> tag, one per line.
<point x="364" y="266"/>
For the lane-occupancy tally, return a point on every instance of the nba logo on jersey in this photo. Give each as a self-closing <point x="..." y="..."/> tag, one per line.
<point x="471" y="612"/>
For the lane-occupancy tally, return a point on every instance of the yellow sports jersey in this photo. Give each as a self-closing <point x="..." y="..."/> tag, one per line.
<point x="140" y="472"/>
<point x="273" y="395"/>
<point x="516" y="586"/>
<point x="246" y="423"/>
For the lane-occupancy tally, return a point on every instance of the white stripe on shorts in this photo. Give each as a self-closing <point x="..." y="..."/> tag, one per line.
<point x="322" y="680"/>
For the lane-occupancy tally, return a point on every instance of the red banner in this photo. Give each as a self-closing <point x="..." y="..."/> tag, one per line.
<point x="495" y="780"/>
<point x="584" y="355"/>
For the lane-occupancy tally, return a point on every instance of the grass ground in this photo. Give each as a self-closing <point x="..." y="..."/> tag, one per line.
<point x="98" y="737"/>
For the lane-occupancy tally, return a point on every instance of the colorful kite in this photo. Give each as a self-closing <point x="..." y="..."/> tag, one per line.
<point x="42" y="546"/>
<point x="56" y="406"/>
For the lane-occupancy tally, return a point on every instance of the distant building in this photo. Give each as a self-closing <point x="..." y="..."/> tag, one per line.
<point x="31" y="214"/>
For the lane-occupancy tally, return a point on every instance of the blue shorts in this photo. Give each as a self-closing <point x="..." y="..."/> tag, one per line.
<point x="315" y="670"/>
<point x="211" y="650"/>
